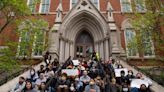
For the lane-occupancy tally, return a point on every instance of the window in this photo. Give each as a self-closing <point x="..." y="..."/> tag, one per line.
<point x="96" y="3"/>
<point x="38" y="44"/>
<point x="148" y="45"/>
<point x="126" y="6"/>
<point x="73" y="3"/>
<point x="31" y="5"/>
<point x="129" y="36"/>
<point x="140" y="5"/>
<point x="45" y="5"/>
<point x="23" y="43"/>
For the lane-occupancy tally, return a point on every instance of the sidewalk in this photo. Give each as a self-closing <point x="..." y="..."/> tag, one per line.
<point x="155" y="86"/>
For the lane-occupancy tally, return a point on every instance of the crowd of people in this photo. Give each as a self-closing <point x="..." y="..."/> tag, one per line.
<point x="94" y="75"/>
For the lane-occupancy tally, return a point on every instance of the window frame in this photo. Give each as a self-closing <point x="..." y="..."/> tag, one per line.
<point x="41" y="5"/>
<point x="28" y="4"/>
<point x="126" y="43"/>
<point x="34" y="45"/>
<point x="152" y="47"/>
<point x="138" y="9"/>
<point x="122" y="9"/>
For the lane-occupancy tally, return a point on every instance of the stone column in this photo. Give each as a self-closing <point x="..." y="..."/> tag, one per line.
<point x="66" y="50"/>
<point x="61" y="53"/>
<point x="106" y="49"/>
<point x="71" y="50"/>
<point x="102" y="50"/>
<point x="96" y="47"/>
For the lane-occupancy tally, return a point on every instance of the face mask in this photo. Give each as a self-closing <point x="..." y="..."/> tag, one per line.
<point x="32" y="72"/>
<point x="91" y="83"/>
<point x="72" y="88"/>
<point x="125" y="89"/>
<point x="130" y="73"/>
<point x="120" y="67"/>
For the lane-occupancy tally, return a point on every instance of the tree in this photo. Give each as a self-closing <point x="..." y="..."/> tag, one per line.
<point x="147" y="24"/>
<point x="30" y="32"/>
<point x="11" y="10"/>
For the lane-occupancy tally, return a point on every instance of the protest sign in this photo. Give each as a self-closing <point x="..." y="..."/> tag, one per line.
<point x="137" y="83"/>
<point x="71" y="72"/>
<point x="75" y="62"/>
<point x="118" y="72"/>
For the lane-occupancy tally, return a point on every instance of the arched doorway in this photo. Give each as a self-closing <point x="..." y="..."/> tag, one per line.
<point x="84" y="45"/>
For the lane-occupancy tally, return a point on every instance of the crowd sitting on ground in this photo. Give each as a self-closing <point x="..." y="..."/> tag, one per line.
<point x="94" y="75"/>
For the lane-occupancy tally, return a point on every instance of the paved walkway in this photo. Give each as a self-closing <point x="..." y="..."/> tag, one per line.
<point x="155" y="86"/>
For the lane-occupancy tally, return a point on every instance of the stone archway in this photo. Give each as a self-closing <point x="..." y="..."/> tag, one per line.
<point x="81" y="17"/>
<point x="81" y="21"/>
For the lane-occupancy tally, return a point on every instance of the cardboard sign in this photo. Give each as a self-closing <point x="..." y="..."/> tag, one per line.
<point x="118" y="72"/>
<point x="71" y="72"/>
<point x="75" y="62"/>
<point x="137" y="83"/>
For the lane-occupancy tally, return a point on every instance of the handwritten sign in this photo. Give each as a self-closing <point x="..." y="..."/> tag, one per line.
<point x="137" y="83"/>
<point x="71" y="72"/>
<point x="118" y="72"/>
<point x="75" y="62"/>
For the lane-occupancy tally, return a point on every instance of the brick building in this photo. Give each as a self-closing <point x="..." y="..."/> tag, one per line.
<point x="79" y="27"/>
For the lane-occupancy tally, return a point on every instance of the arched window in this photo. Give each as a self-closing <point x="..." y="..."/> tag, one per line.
<point x="31" y="38"/>
<point x="129" y="34"/>
<point x="129" y="37"/>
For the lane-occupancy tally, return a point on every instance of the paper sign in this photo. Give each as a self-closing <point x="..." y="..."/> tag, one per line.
<point x="118" y="72"/>
<point x="71" y="72"/>
<point x="75" y="62"/>
<point x="137" y="83"/>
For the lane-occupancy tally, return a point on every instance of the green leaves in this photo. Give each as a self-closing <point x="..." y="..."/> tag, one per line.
<point x="12" y="10"/>
<point x="148" y="27"/>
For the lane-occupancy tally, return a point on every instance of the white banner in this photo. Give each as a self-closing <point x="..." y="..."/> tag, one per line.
<point x="118" y="72"/>
<point x="71" y="72"/>
<point x="137" y="83"/>
<point x="75" y="62"/>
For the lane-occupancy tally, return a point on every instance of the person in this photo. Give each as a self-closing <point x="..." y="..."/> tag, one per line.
<point x="32" y="75"/>
<point x="93" y="71"/>
<point x="40" y="80"/>
<point x="47" y="58"/>
<point x="49" y="72"/>
<point x="85" y="78"/>
<point x="63" y="84"/>
<point x="99" y="82"/>
<point x="95" y="56"/>
<point x="41" y="70"/>
<point x="42" y="87"/>
<point x="78" y="85"/>
<point x="121" y="80"/>
<point x="125" y="88"/>
<point x="92" y="87"/>
<point x="143" y="88"/>
<point x="113" y="86"/>
<point x="20" y="85"/>
<point x="130" y="76"/>
<point x="29" y="87"/>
